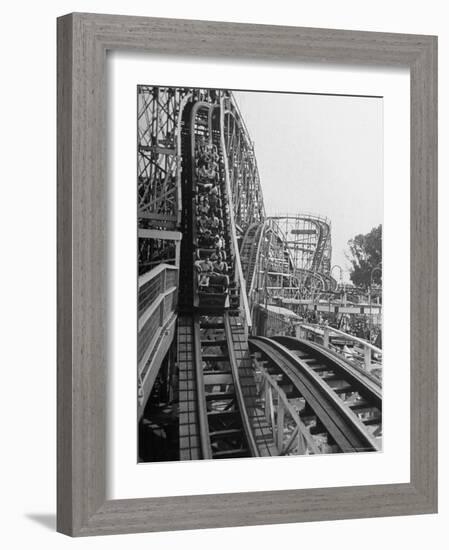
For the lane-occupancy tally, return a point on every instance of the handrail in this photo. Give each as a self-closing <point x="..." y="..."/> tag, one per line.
<point x="366" y="346"/>
<point x="349" y="336"/>
<point x="155" y="308"/>
<point x="143" y="279"/>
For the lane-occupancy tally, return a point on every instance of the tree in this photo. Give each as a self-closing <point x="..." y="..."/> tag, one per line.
<point x="365" y="254"/>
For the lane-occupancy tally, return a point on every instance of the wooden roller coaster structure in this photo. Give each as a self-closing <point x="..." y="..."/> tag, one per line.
<point x="222" y="413"/>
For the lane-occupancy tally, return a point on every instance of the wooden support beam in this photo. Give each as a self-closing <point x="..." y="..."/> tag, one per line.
<point x="158" y="234"/>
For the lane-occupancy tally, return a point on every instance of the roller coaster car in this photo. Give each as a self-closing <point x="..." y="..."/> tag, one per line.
<point x="210" y="296"/>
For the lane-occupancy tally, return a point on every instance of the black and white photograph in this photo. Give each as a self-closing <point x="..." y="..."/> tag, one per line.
<point x="259" y="291"/>
<point x="220" y="298"/>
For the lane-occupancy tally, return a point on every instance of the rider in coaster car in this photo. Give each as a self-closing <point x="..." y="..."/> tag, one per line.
<point x="204" y="269"/>
<point x="215" y="155"/>
<point x="214" y="224"/>
<point x="203" y="203"/>
<point x="214" y="199"/>
<point x="219" y="274"/>
<point x="216" y="255"/>
<point x="203" y="183"/>
<point x="220" y="266"/>
<point x="202" y="157"/>
<point x="208" y="172"/>
<point x="218" y="242"/>
<point x="203" y="223"/>
<point x="206" y="239"/>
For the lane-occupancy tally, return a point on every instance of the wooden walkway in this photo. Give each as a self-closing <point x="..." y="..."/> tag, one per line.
<point x="189" y="441"/>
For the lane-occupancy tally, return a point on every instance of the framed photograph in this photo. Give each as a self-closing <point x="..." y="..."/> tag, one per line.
<point x="247" y="274"/>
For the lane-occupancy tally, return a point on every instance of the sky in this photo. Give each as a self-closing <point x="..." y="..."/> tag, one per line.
<point x="322" y="155"/>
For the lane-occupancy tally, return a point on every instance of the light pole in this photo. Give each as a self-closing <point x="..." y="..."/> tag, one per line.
<point x="341" y="282"/>
<point x="376" y="268"/>
<point x="316" y="288"/>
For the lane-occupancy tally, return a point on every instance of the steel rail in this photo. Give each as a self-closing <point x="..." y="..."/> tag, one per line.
<point x="340" y="422"/>
<point x="346" y="380"/>
<point x="238" y="390"/>
<point x="358" y="377"/>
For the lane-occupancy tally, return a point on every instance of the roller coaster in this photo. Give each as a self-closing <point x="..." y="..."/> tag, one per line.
<point x="211" y="384"/>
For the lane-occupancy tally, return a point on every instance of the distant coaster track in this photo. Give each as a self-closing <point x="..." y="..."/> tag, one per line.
<point x="269" y="264"/>
<point x="308" y="239"/>
<point x="250" y="251"/>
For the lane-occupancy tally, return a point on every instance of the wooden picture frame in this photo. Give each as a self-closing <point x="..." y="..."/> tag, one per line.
<point x="83" y="40"/>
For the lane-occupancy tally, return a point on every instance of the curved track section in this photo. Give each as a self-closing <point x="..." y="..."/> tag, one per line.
<point x="359" y="390"/>
<point x="334" y="421"/>
<point x="308" y="240"/>
<point x="267" y="264"/>
<point x="322" y="246"/>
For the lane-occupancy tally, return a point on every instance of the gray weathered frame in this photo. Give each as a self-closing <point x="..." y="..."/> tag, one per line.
<point x="83" y="40"/>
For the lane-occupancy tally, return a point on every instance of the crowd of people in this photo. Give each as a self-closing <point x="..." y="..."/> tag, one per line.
<point x="355" y="325"/>
<point x="210" y="255"/>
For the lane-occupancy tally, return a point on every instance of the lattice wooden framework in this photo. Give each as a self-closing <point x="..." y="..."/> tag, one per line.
<point x="243" y="172"/>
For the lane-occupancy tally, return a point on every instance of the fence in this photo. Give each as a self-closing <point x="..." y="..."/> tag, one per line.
<point x="157" y="300"/>
<point x="363" y="353"/>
